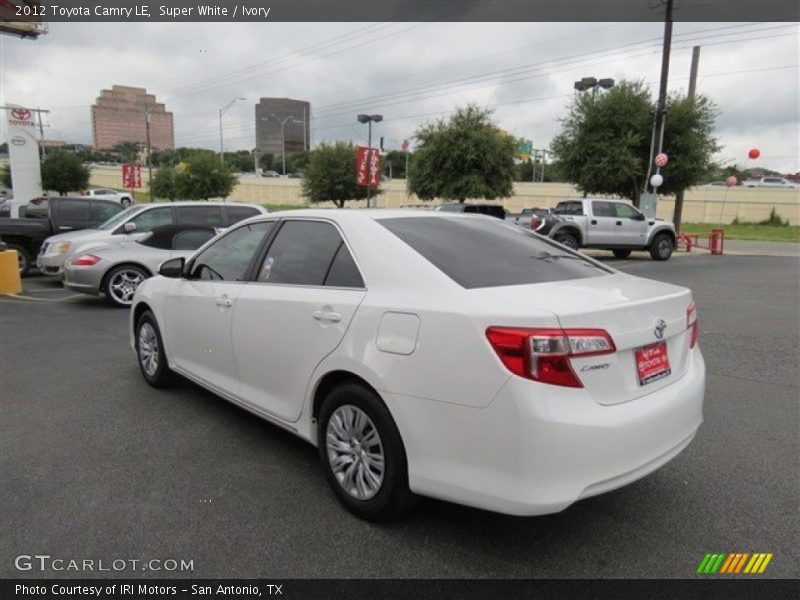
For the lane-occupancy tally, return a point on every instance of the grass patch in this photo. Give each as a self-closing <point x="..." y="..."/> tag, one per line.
<point x="748" y="231"/>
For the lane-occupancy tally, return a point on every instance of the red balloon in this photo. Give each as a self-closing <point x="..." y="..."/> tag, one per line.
<point x="661" y="160"/>
<point x="754" y="153"/>
<point x="731" y="181"/>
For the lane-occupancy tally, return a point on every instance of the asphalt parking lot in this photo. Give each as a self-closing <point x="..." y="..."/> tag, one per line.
<point x="95" y="464"/>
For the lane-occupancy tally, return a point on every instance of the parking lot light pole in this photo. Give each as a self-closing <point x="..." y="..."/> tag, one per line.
<point x="283" y="123"/>
<point x="368" y="119"/>
<point x="222" y="111"/>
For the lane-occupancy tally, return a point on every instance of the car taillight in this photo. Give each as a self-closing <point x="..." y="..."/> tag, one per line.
<point x="691" y="325"/>
<point x="534" y="222"/>
<point x="87" y="260"/>
<point x="544" y="354"/>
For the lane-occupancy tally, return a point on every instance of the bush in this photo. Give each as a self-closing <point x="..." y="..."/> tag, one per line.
<point x="774" y="220"/>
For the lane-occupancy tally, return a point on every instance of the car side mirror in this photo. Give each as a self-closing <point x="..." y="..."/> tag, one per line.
<point x="172" y="268"/>
<point x="129" y="227"/>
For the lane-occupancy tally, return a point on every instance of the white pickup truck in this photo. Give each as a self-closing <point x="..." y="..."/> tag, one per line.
<point x="611" y="225"/>
<point x="770" y="182"/>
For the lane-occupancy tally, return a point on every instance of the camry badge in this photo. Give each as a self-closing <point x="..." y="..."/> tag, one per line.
<point x="661" y="325"/>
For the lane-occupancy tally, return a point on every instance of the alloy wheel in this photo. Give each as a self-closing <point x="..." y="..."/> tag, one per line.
<point x="355" y="452"/>
<point x="148" y="349"/>
<point x="122" y="285"/>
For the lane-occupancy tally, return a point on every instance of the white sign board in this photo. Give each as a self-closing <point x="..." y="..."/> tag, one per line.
<point x="23" y="151"/>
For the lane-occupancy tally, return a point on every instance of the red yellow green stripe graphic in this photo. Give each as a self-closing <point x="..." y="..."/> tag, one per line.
<point x="734" y="562"/>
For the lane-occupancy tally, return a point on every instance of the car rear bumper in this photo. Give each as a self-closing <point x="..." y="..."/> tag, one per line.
<point x="536" y="449"/>
<point x="83" y="279"/>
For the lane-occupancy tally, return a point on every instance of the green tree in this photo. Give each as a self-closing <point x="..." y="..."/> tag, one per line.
<point x="6" y="177"/>
<point x="690" y="144"/>
<point x="605" y="142"/>
<point x="331" y="175"/>
<point x="202" y="175"/>
<point x="397" y="160"/>
<point x="64" y="172"/>
<point x="126" y="151"/>
<point x="297" y="162"/>
<point x="165" y="183"/>
<point x="466" y="156"/>
<point x="266" y="161"/>
<point x="604" y="145"/>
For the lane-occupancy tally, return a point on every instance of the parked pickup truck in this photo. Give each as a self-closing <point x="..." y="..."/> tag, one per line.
<point x="47" y="216"/>
<point x="611" y="225"/>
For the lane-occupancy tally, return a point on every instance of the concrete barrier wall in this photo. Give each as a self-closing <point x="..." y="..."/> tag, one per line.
<point x="701" y="204"/>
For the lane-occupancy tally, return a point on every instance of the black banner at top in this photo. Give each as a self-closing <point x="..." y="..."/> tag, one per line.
<point x="181" y="11"/>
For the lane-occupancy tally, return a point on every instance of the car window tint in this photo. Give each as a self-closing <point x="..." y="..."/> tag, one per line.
<point x="603" y="209"/>
<point x="229" y="257"/>
<point x="150" y="219"/>
<point x="486" y="253"/>
<point x="569" y="208"/>
<point x="301" y="253"/>
<point x="73" y="212"/>
<point x="625" y="211"/>
<point x="102" y="211"/>
<point x="200" y="215"/>
<point x="191" y="239"/>
<point x="343" y="271"/>
<point x="240" y="213"/>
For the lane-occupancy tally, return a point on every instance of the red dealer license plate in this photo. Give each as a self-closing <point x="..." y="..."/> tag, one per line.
<point x="652" y="363"/>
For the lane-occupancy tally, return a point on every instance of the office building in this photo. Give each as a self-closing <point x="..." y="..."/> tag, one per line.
<point x="120" y="115"/>
<point x="270" y="113"/>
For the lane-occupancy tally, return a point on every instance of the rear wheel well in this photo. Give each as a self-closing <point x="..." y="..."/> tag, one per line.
<point x="104" y="283"/>
<point x="330" y="381"/>
<point x="573" y="231"/>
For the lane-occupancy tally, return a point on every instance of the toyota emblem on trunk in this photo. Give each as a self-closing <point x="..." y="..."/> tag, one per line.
<point x="661" y="325"/>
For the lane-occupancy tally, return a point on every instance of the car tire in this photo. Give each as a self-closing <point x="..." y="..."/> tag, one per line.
<point x="662" y="247"/>
<point x="120" y="284"/>
<point x="621" y="253"/>
<point x="23" y="259"/>
<point x="567" y="239"/>
<point x="150" y="352"/>
<point x="352" y="469"/>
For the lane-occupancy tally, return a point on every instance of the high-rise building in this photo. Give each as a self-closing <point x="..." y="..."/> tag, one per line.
<point x="120" y="115"/>
<point x="296" y="116"/>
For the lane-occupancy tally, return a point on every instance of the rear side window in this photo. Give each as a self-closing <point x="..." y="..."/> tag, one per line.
<point x="200" y="215"/>
<point x="343" y="271"/>
<point x="604" y="209"/>
<point x="569" y="208"/>
<point x="73" y="212"/>
<point x="478" y="253"/>
<point x="240" y="213"/>
<point x="301" y="254"/>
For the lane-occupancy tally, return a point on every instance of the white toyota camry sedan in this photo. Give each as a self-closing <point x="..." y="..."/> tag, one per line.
<point x="435" y="354"/>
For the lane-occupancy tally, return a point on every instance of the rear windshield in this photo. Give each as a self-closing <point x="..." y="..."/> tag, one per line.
<point x="569" y="208"/>
<point x="478" y="253"/>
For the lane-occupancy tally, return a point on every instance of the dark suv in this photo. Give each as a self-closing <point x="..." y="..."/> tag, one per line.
<point x="491" y="210"/>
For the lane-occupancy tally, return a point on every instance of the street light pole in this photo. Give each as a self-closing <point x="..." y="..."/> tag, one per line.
<point x="283" y="137"/>
<point x="368" y="119"/>
<point x="149" y="153"/>
<point x="222" y="111"/>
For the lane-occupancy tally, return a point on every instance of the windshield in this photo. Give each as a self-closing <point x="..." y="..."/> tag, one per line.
<point x="120" y="217"/>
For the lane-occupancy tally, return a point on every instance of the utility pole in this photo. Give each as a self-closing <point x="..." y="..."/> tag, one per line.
<point x="677" y="213"/>
<point x="39" y="112"/>
<point x="661" y="107"/>
<point x="149" y="153"/>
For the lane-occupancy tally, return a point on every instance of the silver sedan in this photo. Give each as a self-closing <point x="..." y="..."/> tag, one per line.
<point x="117" y="270"/>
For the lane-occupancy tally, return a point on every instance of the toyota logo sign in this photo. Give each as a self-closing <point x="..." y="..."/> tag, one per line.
<point x="21" y="114"/>
<point x="18" y="140"/>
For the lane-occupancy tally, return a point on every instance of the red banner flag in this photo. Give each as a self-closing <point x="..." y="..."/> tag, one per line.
<point x="131" y="176"/>
<point x="368" y="166"/>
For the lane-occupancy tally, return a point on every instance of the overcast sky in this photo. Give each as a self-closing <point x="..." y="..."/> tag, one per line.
<point x="409" y="72"/>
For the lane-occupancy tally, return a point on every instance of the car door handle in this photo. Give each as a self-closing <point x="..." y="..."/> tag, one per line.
<point x="224" y="301"/>
<point x="594" y="221"/>
<point x="324" y="315"/>
<point x="619" y="222"/>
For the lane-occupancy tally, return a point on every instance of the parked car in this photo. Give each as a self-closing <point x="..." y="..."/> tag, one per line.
<point x="496" y="369"/>
<point x="533" y="218"/>
<point x="123" y="198"/>
<point x="611" y="225"/>
<point x="771" y="182"/>
<point x="116" y="270"/>
<point x="270" y="174"/>
<point x="294" y="175"/>
<point x="47" y="216"/>
<point x="137" y="221"/>
<point x="492" y="210"/>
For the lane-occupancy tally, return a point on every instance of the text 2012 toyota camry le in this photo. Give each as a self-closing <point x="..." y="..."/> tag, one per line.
<point x="440" y="354"/>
